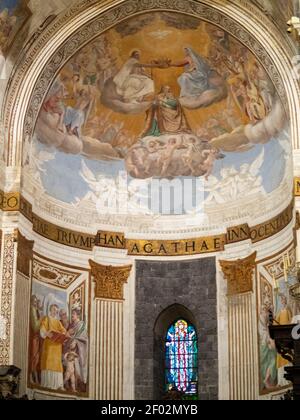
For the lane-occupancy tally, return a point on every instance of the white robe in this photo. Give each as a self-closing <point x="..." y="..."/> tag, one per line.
<point x="132" y="86"/>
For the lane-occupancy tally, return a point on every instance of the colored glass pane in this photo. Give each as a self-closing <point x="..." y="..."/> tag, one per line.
<point x="181" y="354"/>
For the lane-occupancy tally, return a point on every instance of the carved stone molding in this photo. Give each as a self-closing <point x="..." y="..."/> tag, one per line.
<point x="109" y="280"/>
<point x="25" y="254"/>
<point x="239" y="274"/>
<point x="6" y="283"/>
<point x="276" y="268"/>
<point x="47" y="273"/>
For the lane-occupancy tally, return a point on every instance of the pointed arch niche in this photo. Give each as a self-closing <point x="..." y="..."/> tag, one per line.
<point x="164" y="322"/>
<point x="166" y="292"/>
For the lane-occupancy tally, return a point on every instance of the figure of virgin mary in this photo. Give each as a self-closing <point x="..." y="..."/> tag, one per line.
<point x="195" y="79"/>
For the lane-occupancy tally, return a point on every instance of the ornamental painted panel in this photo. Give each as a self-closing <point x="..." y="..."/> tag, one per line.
<point x="124" y="116"/>
<point x="56" y="276"/>
<point x="59" y="336"/>
<point x="274" y="286"/>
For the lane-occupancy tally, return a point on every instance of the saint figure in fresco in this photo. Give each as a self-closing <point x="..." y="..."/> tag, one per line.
<point x="7" y="23"/>
<point x="79" y="340"/>
<point x="54" y="334"/>
<point x="181" y="347"/>
<point x="283" y="317"/>
<point x="35" y="322"/>
<point x="268" y="352"/>
<point x="166" y="116"/>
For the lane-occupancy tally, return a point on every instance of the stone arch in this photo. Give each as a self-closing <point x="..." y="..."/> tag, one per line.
<point x="195" y="299"/>
<point x="52" y="47"/>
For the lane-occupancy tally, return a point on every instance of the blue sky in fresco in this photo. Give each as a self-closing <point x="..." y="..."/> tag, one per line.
<point x="62" y="178"/>
<point x="9" y="4"/>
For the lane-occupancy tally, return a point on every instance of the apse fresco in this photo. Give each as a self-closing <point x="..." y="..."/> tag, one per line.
<point x="13" y="15"/>
<point x="58" y="340"/>
<point x="275" y="296"/>
<point x="160" y="97"/>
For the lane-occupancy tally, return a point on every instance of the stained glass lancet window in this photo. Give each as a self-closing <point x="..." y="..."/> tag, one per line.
<point x="181" y="353"/>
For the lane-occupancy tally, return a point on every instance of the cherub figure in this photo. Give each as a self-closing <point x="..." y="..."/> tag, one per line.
<point x="210" y="158"/>
<point x="70" y="360"/>
<point x="167" y="153"/>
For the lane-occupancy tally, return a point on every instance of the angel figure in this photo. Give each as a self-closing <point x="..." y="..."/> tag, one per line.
<point x="248" y="180"/>
<point x="236" y="184"/>
<point x="210" y="157"/>
<point x="103" y="191"/>
<point x="224" y="189"/>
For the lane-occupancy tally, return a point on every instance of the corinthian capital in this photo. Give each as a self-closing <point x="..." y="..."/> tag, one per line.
<point x="109" y="280"/>
<point x="239" y="274"/>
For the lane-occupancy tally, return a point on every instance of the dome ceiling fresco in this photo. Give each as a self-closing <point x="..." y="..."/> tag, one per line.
<point x="160" y="99"/>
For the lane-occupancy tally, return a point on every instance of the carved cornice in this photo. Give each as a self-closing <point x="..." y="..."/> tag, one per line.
<point x="149" y="247"/>
<point x="109" y="280"/>
<point x="239" y="274"/>
<point x="25" y="254"/>
<point x="6" y="284"/>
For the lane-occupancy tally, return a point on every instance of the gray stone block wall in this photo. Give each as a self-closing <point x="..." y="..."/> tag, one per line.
<point x="159" y="285"/>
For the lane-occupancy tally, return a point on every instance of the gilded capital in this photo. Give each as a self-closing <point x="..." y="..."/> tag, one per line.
<point x="109" y="280"/>
<point x="239" y="274"/>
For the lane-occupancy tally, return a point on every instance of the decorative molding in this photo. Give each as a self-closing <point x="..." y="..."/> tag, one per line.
<point x="109" y="280"/>
<point x="195" y="246"/>
<point x="276" y="268"/>
<point x="8" y="255"/>
<point x="25" y="254"/>
<point x="295" y="291"/>
<point x="239" y="274"/>
<point x="9" y="201"/>
<point x="144" y="247"/>
<point x="47" y="273"/>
